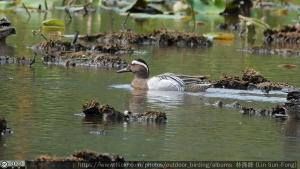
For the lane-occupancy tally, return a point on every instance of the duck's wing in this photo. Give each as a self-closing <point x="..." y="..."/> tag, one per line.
<point x="189" y="79"/>
<point x="166" y="82"/>
<point x="193" y="83"/>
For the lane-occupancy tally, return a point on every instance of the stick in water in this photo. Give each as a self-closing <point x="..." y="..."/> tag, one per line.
<point x="44" y="36"/>
<point x="68" y="13"/>
<point x="125" y="21"/>
<point x="75" y="37"/>
<point x="46" y="5"/>
<point x="24" y="6"/>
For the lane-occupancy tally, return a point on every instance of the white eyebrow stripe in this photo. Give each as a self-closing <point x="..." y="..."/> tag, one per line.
<point x="140" y="63"/>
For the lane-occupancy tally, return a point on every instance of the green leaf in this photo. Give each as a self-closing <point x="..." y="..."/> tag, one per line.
<point x="207" y="6"/>
<point x="54" y="22"/>
<point x="49" y="29"/>
<point x="6" y="4"/>
<point x="53" y="25"/>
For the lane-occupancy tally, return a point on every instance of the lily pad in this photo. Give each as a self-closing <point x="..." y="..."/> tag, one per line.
<point x="48" y="29"/>
<point x="207" y="6"/>
<point x="54" y="22"/>
<point x="53" y="25"/>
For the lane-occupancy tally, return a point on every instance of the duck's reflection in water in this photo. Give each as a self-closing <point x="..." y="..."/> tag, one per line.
<point x="141" y="99"/>
<point x="291" y="131"/>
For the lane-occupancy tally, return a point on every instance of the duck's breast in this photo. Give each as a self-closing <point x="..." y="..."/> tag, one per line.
<point x="165" y="82"/>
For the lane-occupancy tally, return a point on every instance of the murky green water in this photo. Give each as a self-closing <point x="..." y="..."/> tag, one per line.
<point x="42" y="104"/>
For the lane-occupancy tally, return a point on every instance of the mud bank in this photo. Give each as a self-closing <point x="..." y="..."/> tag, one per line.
<point x="109" y="114"/>
<point x="157" y="37"/>
<point x="78" y="54"/>
<point x="81" y="159"/>
<point x="251" y="79"/>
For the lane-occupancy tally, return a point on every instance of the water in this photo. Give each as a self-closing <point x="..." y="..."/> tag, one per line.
<point x="43" y="104"/>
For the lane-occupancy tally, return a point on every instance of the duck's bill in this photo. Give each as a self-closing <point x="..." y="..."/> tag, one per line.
<point x="124" y="70"/>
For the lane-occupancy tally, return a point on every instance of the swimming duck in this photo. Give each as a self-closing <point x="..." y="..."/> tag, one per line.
<point x="163" y="82"/>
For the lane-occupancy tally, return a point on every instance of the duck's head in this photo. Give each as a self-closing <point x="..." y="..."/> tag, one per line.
<point x="138" y="67"/>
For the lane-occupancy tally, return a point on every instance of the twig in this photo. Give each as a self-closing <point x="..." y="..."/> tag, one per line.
<point x="44" y="36"/>
<point x="68" y="13"/>
<point x="46" y="5"/>
<point x="194" y="18"/>
<point x="33" y="60"/>
<point x="24" y="6"/>
<point x="75" y="37"/>
<point x="125" y="22"/>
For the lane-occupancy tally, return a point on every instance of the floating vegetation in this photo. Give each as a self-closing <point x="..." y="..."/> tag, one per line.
<point x="68" y="54"/>
<point x="14" y="60"/>
<point x="272" y="50"/>
<point x="289" y="34"/>
<point x="103" y="50"/>
<point x="89" y="157"/>
<point x="157" y="37"/>
<point x="109" y="114"/>
<point x="251" y="79"/>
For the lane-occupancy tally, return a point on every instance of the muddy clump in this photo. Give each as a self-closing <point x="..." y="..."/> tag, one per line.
<point x="81" y="159"/>
<point x="293" y="105"/>
<point x="252" y="76"/>
<point x="251" y="79"/>
<point x="150" y="116"/>
<point x="278" y="111"/>
<point x="157" y="37"/>
<point x="15" y="60"/>
<point x="109" y="114"/>
<point x="282" y="50"/>
<point x="68" y="54"/>
<point x="86" y="59"/>
<point x="91" y="108"/>
<point x="290" y="109"/>
<point x="51" y="46"/>
<point x="289" y="34"/>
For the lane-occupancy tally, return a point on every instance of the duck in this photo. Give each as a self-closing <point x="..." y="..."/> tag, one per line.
<point x="163" y="82"/>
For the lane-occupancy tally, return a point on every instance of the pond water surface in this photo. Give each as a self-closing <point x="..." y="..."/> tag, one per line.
<point x="43" y="104"/>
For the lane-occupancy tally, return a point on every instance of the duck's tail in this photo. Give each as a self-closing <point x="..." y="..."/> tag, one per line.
<point x="196" y="83"/>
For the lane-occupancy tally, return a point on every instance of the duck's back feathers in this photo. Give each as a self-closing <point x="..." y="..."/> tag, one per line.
<point x="166" y="82"/>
